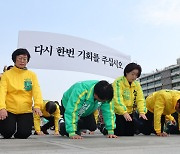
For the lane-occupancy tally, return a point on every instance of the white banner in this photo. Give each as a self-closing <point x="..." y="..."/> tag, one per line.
<point x="62" y="52"/>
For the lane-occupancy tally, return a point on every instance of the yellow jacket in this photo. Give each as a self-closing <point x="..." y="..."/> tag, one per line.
<point x="18" y="89"/>
<point x="169" y="118"/>
<point x="125" y="95"/>
<point x="56" y="115"/>
<point x="162" y="102"/>
<point x="96" y="115"/>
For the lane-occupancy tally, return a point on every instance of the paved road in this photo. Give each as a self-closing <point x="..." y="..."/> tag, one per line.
<point x="91" y="144"/>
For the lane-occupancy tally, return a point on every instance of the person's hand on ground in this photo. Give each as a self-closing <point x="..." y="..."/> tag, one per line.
<point x="76" y="137"/>
<point x="111" y="136"/>
<point x="162" y="134"/>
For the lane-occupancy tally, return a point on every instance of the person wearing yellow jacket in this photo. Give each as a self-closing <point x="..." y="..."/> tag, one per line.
<point x="160" y="104"/>
<point x="51" y="112"/>
<point x="18" y="88"/>
<point x="127" y="94"/>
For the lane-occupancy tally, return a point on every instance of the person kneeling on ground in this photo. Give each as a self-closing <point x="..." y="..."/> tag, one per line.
<point x="19" y="86"/>
<point x="51" y="112"/>
<point x="128" y="97"/>
<point x="79" y="103"/>
<point x="160" y="104"/>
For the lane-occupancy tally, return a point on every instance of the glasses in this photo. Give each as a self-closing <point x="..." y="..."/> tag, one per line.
<point x="22" y="59"/>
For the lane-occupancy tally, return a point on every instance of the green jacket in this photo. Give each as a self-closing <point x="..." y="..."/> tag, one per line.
<point x="78" y="101"/>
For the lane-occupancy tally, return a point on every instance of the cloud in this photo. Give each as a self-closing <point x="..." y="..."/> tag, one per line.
<point x="158" y="12"/>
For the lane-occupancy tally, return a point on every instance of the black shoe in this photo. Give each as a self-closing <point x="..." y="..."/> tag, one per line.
<point x="78" y="132"/>
<point x="102" y="129"/>
<point x="44" y="131"/>
<point x="35" y="133"/>
<point x="52" y="128"/>
<point x="137" y="132"/>
<point x="62" y="129"/>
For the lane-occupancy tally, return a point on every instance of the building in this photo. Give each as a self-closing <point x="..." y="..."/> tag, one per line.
<point x="168" y="78"/>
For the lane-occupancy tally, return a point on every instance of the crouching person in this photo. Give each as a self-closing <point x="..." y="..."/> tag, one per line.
<point x="79" y="103"/>
<point x="51" y="112"/>
<point x="160" y="104"/>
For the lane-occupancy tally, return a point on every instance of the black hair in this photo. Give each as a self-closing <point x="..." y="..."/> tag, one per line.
<point x="9" y="67"/>
<point x="51" y="107"/>
<point x="20" y="51"/>
<point x="5" y="68"/>
<point x="178" y="101"/>
<point x="132" y="66"/>
<point x="103" y="90"/>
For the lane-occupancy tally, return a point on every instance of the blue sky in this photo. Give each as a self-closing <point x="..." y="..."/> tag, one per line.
<point x="147" y="30"/>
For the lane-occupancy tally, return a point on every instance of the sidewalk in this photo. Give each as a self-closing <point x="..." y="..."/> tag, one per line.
<point x="91" y="144"/>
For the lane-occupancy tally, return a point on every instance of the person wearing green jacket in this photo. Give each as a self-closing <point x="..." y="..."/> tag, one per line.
<point x="79" y="103"/>
<point x="160" y="104"/>
<point x="128" y="98"/>
<point x="19" y="90"/>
